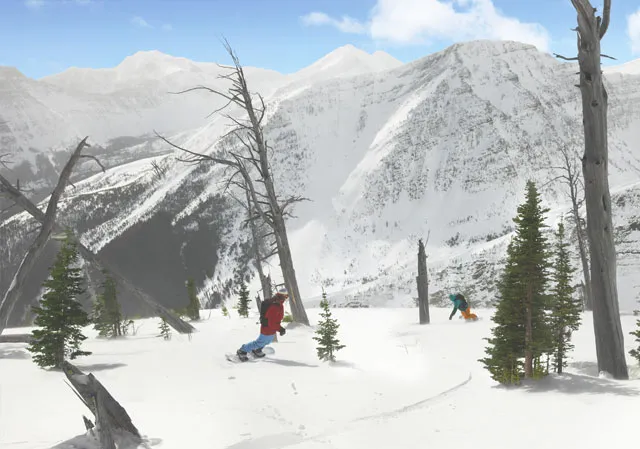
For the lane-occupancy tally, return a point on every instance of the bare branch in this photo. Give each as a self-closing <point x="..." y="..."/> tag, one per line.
<point x="606" y="15"/>
<point x="607" y="56"/>
<point x="575" y="58"/>
<point x="88" y="156"/>
<point x="3" y="160"/>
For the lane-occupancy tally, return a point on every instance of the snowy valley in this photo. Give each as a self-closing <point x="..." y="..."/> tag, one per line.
<point x="386" y="153"/>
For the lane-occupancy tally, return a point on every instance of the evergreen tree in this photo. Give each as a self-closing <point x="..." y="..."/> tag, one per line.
<point x="243" y="301"/>
<point x="107" y="317"/>
<point x="165" y="330"/>
<point x="523" y="329"/>
<point x="59" y="315"/>
<point x="193" y="309"/>
<point x="225" y="312"/>
<point x="328" y="342"/>
<point x="566" y="308"/>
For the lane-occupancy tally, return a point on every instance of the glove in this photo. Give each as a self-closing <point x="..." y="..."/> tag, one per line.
<point x="282" y="331"/>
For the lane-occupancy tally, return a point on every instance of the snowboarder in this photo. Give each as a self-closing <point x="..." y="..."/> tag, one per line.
<point x="459" y="303"/>
<point x="271" y="315"/>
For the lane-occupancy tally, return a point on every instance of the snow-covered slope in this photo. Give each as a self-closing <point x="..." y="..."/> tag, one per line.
<point x="628" y="68"/>
<point x="380" y="392"/>
<point x="441" y="147"/>
<point x="134" y="98"/>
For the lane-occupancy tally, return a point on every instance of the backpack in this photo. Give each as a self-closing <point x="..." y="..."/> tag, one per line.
<point x="463" y="302"/>
<point x="264" y="306"/>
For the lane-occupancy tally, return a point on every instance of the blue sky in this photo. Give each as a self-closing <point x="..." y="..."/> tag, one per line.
<point x="42" y="37"/>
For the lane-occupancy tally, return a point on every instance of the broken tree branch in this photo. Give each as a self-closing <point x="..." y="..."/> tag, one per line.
<point x="37" y="247"/>
<point x="99" y="264"/>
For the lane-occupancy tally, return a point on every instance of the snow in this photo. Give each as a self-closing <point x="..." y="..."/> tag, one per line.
<point x="396" y="384"/>
<point x="628" y="68"/>
<point x="441" y="146"/>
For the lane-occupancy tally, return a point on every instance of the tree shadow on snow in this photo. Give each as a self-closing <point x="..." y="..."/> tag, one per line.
<point x="344" y="364"/>
<point x="100" y="366"/>
<point x="15" y="354"/>
<point x="289" y="363"/>
<point x="579" y="384"/>
<point x="587" y="368"/>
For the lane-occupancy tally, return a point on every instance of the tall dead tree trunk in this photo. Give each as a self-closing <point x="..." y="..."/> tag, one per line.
<point x="12" y="295"/>
<point x="606" y="314"/>
<point x="257" y="243"/>
<point x="423" y="285"/>
<point x="571" y="178"/>
<point x="268" y="206"/>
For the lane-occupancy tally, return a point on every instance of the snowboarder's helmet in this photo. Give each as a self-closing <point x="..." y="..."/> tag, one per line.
<point x="282" y="294"/>
<point x="452" y="297"/>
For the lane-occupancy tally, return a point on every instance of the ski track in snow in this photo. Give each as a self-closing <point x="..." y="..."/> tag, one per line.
<point x="287" y="439"/>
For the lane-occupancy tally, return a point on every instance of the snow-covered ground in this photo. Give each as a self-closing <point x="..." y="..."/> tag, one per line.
<point x="396" y="385"/>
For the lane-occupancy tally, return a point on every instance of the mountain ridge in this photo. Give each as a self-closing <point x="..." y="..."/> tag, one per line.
<point x="439" y="147"/>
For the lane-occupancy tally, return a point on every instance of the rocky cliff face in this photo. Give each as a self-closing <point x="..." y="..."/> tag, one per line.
<point x="441" y="147"/>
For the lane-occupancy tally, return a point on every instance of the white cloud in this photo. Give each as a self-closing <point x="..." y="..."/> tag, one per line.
<point x="345" y="24"/>
<point x="167" y="27"/>
<point x="34" y="4"/>
<point x="633" y="31"/>
<point x="139" y="21"/>
<point x="418" y="21"/>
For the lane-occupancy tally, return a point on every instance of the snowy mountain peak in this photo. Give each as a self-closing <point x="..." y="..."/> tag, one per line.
<point x="10" y="73"/>
<point x="153" y="63"/>
<point x="349" y="61"/>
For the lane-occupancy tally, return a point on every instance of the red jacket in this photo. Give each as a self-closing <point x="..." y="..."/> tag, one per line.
<point x="274" y="316"/>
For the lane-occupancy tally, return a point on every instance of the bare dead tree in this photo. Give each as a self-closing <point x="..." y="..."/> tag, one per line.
<point x="571" y="178"/>
<point x="37" y="247"/>
<point x="423" y="285"/>
<point x="159" y="172"/>
<point x="50" y="226"/>
<point x="253" y="157"/>
<point x="4" y="160"/>
<point x="606" y="314"/>
<point x="257" y="243"/>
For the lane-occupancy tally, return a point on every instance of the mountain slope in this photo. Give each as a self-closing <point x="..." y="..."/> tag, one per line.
<point x="441" y="147"/>
<point x="42" y="117"/>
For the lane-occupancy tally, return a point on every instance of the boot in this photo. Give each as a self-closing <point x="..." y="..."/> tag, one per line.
<point x="242" y="355"/>
<point x="258" y="353"/>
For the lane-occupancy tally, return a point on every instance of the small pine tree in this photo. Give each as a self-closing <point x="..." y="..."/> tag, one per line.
<point x="523" y="329"/>
<point x="165" y="330"/>
<point x="193" y="309"/>
<point x="59" y="315"/>
<point x="243" y="301"/>
<point x="635" y="353"/>
<point x="107" y="317"/>
<point x="225" y="312"/>
<point x="565" y="316"/>
<point x="327" y="332"/>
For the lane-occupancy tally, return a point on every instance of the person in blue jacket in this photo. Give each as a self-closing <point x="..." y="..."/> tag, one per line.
<point x="461" y="304"/>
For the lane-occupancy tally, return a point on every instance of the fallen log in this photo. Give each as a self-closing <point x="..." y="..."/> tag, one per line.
<point x="16" y="338"/>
